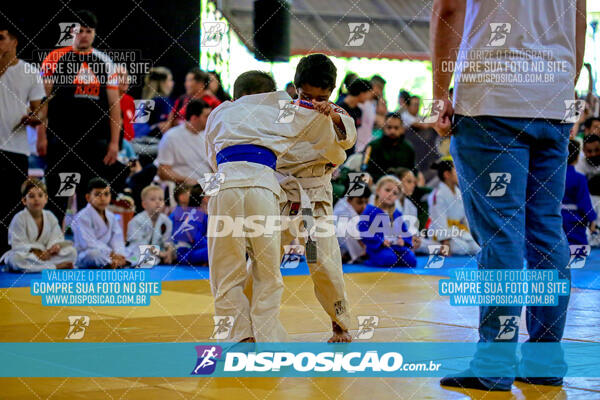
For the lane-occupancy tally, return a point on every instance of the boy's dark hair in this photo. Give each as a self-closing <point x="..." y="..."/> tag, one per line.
<point x="196" y="196"/>
<point x="253" y="82"/>
<point x="442" y="166"/>
<point x="574" y="150"/>
<point x="86" y="19"/>
<point x="199" y="75"/>
<point x="378" y="80"/>
<point x="359" y="86"/>
<point x="316" y="70"/>
<point x="97" y="183"/>
<point x="179" y="190"/>
<point x="195" y="107"/>
<point x="591" y="139"/>
<point x="14" y="24"/>
<point x="589" y="121"/>
<point x="31" y="183"/>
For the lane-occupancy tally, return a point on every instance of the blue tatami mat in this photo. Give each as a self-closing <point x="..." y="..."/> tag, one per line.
<point x="584" y="278"/>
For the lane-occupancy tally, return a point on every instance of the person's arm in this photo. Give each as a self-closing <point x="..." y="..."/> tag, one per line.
<point x="580" y="28"/>
<point x="166" y="173"/>
<point x="117" y="242"/>
<point x="445" y="32"/>
<point x="42" y="138"/>
<point x="114" y="109"/>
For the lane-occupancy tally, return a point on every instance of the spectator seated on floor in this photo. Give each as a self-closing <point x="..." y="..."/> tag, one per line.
<point x="347" y="211"/>
<point x="577" y="211"/>
<point x="151" y="227"/>
<point x="190" y="225"/>
<point x="36" y="240"/>
<point x="385" y="235"/>
<point x="447" y="213"/>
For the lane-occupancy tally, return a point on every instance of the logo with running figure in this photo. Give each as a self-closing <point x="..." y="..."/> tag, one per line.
<point x="77" y="325"/>
<point x="143" y="108"/>
<point x="358" y="184"/>
<point x="223" y="326"/>
<point x="499" y="184"/>
<point x="358" y="33"/>
<point x="433" y="109"/>
<point x="68" y="30"/>
<point x="149" y="255"/>
<point x="207" y="359"/>
<point x="573" y="111"/>
<point x="212" y="182"/>
<point x="509" y="326"/>
<point x="213" y="32"/>
<point x="366" y="326"/>
<point x="68" y="183"/>
<point x="500" y="31"/>
<point x="437" y="255"/>
<point x="579" y="254"/>
<point x="287" y="112"/>
<point x="291" y="256"/>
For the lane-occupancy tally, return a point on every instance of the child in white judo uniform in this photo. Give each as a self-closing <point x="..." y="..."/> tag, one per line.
<point x="244" y="140"/>
<point x="447" y="212"/>
<point x="312" y="163"/>
<point x="97" y="232"/>
<point x="150" y="227"/>
<point x="347" y="213"/>
<point x="37" y="242"/>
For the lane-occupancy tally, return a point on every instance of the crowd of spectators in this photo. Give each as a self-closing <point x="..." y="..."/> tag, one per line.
<point x="94" y="128"/>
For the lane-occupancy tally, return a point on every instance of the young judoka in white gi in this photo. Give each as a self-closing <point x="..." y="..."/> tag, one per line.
<point x="244" y="140"/>
<point x="151" y="227"/>
<point x="312" y="163"/>
<point x="447" y="213"/>
<point x="36" y="240"/>
<point x="97" y="233"/>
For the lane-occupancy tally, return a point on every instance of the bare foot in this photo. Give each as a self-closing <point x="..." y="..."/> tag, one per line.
<point x="339" y="335"/>
<point x="65" y="265"/>
<point x="248" y="340"/>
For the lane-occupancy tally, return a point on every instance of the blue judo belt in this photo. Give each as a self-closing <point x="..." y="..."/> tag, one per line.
<point x="249" y="153"/>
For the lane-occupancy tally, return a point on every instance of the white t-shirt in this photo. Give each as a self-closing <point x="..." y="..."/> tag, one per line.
<point x="184" y="152"/>
<point x="19" y="85"/>
<point x="516" y="59"/>
<point x="408" y="119"/>
<point x="365" y="130"/>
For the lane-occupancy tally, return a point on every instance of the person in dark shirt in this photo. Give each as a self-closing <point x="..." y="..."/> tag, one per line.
<point x="84" y="116"/>
<point x="196" y="87"/>
<point x="359" y="91"/>
<point x="389" y="151"/>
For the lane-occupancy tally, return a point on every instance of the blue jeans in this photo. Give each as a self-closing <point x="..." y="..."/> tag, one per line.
<point x="522" y="222"/>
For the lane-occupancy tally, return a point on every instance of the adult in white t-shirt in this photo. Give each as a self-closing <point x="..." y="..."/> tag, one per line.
<point x="365" y="130"/>
<point x="516" y="69"/>
<point x="181" y="151"/>
<point x="21" y="91"/>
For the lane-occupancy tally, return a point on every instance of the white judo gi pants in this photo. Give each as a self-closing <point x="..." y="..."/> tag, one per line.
<point x="326" y="273"/>
<point x="258" y="318"/>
